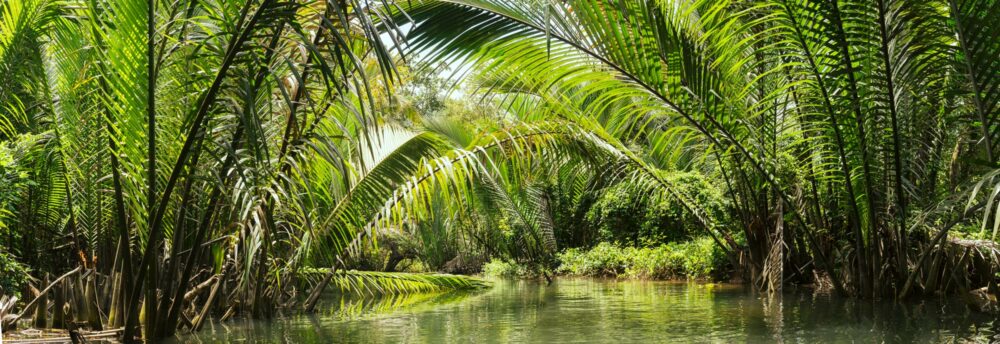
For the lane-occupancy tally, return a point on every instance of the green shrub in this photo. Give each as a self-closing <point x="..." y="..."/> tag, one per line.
<point x="499" y="268"/>
<point x="603" y="260"/>
<point x="13" y="275"/>
<point x="699" y="258"/>
<point x="632" y="218"/>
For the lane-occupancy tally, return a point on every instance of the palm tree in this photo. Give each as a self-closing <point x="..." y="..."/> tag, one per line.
<point x="838" y="126"/>
<point x="211" y="153"/>
<point x="185" y="136"/>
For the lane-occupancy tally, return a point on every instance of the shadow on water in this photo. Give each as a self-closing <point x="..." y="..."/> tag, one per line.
<point x="600" y="311"/>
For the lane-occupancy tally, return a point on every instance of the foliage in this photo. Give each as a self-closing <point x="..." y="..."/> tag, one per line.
<point x="836" y="128"/>
<point x="623" y="216"/>
<point x="13" y="275"/>
<point x="436" y="238"/>
<point x="499" y="268"/>
<point x="255" y="138"/>
<point x="375" y="283"/>
<point x="241" y="138"/>
<point x="424" y="91"/>
<point x="698" y="258"/>
<point x="14" y="177"/>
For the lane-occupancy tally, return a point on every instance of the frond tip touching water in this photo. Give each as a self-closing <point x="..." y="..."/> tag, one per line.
<point x="388" y="283"/>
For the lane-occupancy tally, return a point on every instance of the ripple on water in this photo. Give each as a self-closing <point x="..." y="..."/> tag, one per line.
<point x="600" y="311"/>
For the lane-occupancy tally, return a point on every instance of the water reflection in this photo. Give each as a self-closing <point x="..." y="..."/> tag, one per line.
<point x="354" y="308"/>
<point x="594" y="311"/>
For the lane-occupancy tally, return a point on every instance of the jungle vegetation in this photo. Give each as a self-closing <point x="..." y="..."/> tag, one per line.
<point x="166" y="161"/>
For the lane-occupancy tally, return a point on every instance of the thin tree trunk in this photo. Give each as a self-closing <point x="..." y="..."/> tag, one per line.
<point x="156" y="220"/>
<point x="41" y="309"/>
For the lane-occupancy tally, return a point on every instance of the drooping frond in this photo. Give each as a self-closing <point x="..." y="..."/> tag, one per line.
<point x="374" y="283"/>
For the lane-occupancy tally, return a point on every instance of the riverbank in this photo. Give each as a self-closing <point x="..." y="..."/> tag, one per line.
<point x="698" y="259"/>
<point x="695" y="260"/>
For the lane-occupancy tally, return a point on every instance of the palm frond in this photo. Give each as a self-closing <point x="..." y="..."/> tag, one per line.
<point x="373" y="283"/>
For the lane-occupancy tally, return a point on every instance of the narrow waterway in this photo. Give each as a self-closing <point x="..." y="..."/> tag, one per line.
<point x="603" y="311"/>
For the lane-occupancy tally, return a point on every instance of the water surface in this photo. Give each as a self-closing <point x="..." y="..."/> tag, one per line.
<point x="603" y="311"/>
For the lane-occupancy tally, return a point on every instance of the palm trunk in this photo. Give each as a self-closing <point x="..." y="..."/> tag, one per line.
<point x="149" y="261"/>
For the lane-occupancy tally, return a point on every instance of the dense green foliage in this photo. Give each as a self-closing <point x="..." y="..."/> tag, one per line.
<point x="498" y="268"/>
<point x="849" y="136"/>
<point x="175" y="147"/>
<point x="699" y="258"/>
<point x="623" y="216"/>
<point x="13" y="275"/>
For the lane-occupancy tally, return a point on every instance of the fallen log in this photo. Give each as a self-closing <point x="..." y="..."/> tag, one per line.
<point x="977" y="244"/>
<point x="85" y="335"/>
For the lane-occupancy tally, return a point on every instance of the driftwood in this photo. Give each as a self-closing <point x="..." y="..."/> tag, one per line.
<point x="229" y="312"/>
<point x="208" y="305"/>
<point x="977" y="244"/>
<point x="318" y="290"/>
<point x="200" y="288"/>
<point x="84" y="335"/>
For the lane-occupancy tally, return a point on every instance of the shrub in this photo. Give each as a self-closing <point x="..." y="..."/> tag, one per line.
<point x="603" y="260"/>
<point x="699" y="258"/>
<point x="13" y="275"/>
<point x="505" y="269"/>
<point x="632" y="218"/>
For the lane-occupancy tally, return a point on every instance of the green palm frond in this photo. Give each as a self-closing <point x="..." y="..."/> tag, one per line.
<point x="976" y="30"/>
<point x="258" y="138"/>
<point x="374" y="283"/>
<point x="734" y="88"/>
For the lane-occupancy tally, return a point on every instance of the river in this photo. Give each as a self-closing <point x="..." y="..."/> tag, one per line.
<point x="608" y="311"/>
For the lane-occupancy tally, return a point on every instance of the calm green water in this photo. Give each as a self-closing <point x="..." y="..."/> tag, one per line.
<point x="598" y="311"/>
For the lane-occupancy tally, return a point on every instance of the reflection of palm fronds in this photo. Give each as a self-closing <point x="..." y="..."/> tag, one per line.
<point x="352" y="307"/>
<point x="388" y="283"/>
